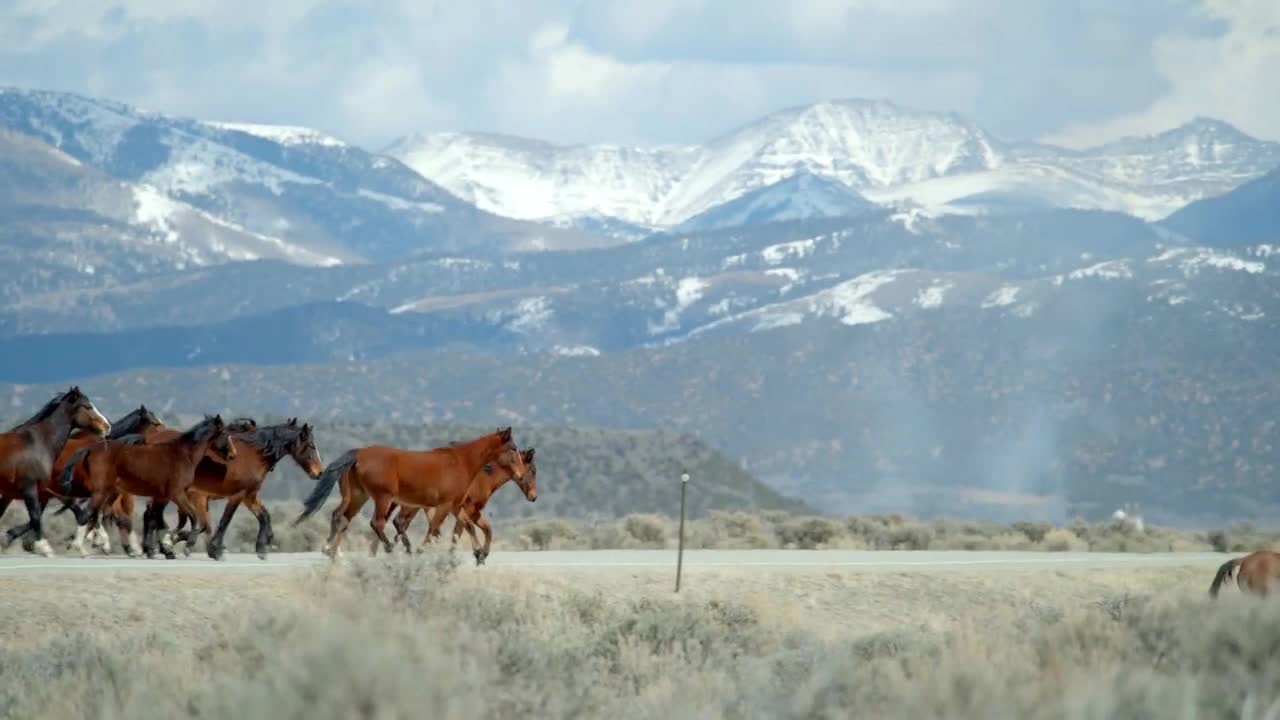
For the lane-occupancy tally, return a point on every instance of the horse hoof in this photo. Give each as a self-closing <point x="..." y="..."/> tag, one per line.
<point x="262" y="554"/>
<point x="42" y="547"/>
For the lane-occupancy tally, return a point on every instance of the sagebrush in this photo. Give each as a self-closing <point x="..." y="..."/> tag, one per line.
<point x="399" y="637"/>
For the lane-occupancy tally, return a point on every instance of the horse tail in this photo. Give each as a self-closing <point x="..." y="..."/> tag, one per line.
<point x="1224" y="574"/>
<point x="324" y="486"/>
<point x="69" y="470"/>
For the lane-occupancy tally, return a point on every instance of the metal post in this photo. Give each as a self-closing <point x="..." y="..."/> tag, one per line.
<point x="684" y="485"/>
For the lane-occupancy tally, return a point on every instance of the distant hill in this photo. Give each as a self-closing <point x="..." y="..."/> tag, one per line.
<point x="1247" y="215"/>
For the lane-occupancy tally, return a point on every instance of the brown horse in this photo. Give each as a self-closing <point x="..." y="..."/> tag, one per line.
<point x="163" y="468"/>
<point x="28" y="451"/>
<point x="139" y="421"/>
<point x="436" y="478"/>
<point x="468" y="516"/>
<point x="75" y="481"/>
<point x="1259" y="573"/>
<point x="240" y="480"/>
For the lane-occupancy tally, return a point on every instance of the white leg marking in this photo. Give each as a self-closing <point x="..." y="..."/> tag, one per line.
<point x="166" y="542"/>
<point x="77" y="543"/>
<point x="42" y="547"/>
<point x="132" y="548"/>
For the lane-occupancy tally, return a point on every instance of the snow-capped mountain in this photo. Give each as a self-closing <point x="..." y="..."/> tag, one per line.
<point x="300" y="190"/>
<point x="797" y="197"/>
<point x="890" y="154"/>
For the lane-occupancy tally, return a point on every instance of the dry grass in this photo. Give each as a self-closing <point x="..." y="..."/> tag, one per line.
<point x="743" y="530"/>
<point x="409" y="636"/>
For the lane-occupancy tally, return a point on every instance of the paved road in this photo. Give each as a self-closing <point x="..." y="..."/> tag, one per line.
<point x="17" y="563"/>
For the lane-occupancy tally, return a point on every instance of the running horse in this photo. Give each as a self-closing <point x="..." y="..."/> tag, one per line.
<point x="1259" y="573"/>
<point x="140" y="421"/>
<point x="469" y="515"/>
<point x="239" y="481"/>
<point x="75" y="481"/>
<point x="28" y="451"/>
<point x="436" y="478"/>
<point x="161" y="469"/>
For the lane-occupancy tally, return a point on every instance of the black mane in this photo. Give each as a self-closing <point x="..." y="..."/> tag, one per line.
<point x="273" y="440"/>
<point x="201" y="431"/>
<point x="41" y="414"/>
<point x="127" y="425"/>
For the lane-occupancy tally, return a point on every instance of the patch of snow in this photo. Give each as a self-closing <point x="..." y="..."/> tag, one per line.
<point x="154" y="209"/>
<point x="1006" y="295"/>
<point x="778" y="320"/>
<point x="531" y="314"/>
<point x="1192" y="260"/>
<point x="848" y="300"/>
<point x="283" y="134"/>
<point x="688" y="291"/>
<point x="576" y="351"/>
<point x="933" y="296"/>
<point x="1108" y="270"/>
<point x="398" y="203"/>
<point x="775" y="254"/>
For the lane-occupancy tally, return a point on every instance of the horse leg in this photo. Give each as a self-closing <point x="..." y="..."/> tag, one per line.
<point x="435" y="520"/>
<point x="124" y="525"/>
<point x="31" y="498"/>
<point x="403" y="519"/>
<point x="201" y="502"/>
<point x="151" y="528"/>
<point x="183" y="500"/>
<point x="156" y="506"/>
<point x="483" y="523"/>
<point x="381" y="508"/>
<point x="433" y="527"/>
<point x="353" y="499"/>
<point x="214" y="547"/>
<point x="264" y="524"/>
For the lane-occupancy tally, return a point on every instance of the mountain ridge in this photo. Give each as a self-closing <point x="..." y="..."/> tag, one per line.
<point x="865" y="144"/>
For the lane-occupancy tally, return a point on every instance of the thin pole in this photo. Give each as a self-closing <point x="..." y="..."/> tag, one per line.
<point x="684" y="485"/>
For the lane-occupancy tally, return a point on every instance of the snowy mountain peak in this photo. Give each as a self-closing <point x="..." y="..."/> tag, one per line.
<point x="858" y="143"/>
<point x="886" y="152"/>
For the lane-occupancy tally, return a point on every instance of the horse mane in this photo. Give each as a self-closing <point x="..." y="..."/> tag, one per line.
<point x="127" y="425"/>
<point x="200" y="431"/>
<point x="272" y="441"/>
<point x="132" y="439"/>
<point x="41" y="414"/>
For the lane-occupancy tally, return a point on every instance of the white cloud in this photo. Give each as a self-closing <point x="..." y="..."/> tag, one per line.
<point x="1231" y="77"/>
<point x="654" y="71"/>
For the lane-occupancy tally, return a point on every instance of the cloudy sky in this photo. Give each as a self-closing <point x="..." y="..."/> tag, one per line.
<point x="657" y="71"/>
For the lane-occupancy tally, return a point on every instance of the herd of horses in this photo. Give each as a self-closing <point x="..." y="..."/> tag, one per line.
<point x="96" y="469"/>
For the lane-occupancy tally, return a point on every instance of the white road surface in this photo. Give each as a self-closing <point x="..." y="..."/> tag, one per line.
<point x="18" y="563"/>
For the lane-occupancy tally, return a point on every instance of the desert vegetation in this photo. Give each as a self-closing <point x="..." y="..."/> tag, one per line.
<point x="748" y="530"/>
<point x="394" y="636"/>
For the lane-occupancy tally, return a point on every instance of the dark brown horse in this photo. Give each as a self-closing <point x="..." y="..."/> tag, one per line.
<point x="75" y="481"/>
<point x="29" y="449"/>
<point x="139" y="421"/>
<point x="240" y="480"/>
<point x="1259" y="573"/>
<point x="469" y="515"/>
<point x="163" y="468"/>
<point x="436" y="478"/>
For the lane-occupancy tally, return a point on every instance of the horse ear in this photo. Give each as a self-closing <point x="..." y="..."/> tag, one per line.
<point x="505" y="433"/>
<point x="528" y="455"/>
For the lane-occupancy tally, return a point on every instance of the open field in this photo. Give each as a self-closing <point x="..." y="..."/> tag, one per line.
<point x="395" y="636"/>
<point x="724" y="530"/>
